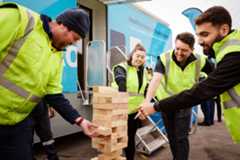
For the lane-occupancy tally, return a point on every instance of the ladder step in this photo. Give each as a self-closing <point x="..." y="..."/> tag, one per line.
<point x="156" y="144"/>
<point x="144" y="130"/>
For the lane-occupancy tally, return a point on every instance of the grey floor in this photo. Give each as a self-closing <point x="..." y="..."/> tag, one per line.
<point x="208" y="143"/>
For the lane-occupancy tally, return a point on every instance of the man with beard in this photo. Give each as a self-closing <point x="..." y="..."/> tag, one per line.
<point x="213" y="28"/>
<point x="30" y="69"/>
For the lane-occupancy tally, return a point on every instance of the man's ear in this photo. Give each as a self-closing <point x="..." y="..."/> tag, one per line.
<point x="224" y="29"/>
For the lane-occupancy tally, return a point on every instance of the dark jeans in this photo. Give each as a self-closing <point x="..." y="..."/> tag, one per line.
<point x="42" y="122"/>
<point x="208" y="110"/>
<point x="219" y="108"/>
<point x="16" y="141"/>
<point x="177" y="128"/>
<point x="42" y="128"/>
<point x="133" y="125"/>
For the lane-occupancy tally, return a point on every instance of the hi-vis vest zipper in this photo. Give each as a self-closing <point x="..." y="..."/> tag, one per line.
<point x="231" y="98"/>
<point x="26" y="67"/>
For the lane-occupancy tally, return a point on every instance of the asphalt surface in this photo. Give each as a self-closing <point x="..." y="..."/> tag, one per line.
<point x="208" y="143"/>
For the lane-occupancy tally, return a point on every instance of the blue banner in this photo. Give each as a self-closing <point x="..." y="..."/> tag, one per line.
<point x="191" y="14"/>
<point x="132" y="26"/>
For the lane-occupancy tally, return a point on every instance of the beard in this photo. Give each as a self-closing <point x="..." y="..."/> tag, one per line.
<point x="218" y="38"/>
<point x="59" y="45"/>
<point x="207" y="49"/>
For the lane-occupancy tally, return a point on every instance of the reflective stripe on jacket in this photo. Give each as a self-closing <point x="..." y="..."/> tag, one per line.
<point x="231" y="98"/>
<point x="175" y="79"/>
<point x="28" y="67"/>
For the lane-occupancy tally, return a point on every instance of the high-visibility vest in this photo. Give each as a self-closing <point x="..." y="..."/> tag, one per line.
<point x="231" y="98"/>
<point x="175" y="79"/>
<point x="29" y="66"/>
<point x="135" y="97"/>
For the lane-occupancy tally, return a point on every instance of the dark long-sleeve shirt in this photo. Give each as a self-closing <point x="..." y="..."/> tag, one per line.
<point x="62" y="106"/>
<point x="224" y="77"/>
<point x="121" y="78"/>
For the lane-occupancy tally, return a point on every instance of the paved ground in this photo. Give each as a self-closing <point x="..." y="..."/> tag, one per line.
<point x="208" y="143"/>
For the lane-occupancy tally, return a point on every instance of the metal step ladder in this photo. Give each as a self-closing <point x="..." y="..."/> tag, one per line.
<point x="150" y="137"/>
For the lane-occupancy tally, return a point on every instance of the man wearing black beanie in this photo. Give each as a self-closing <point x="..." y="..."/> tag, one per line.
<point x="76" y="20"/>
<point x="30" y="70"/>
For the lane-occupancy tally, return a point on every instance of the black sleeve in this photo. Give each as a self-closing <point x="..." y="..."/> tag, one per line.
<point x="208" y="67"/>
<point x="224" y="77"/>
<point x="120" y="78"/>
<point x="159" y="67"/>
<point x="63" y="107"/>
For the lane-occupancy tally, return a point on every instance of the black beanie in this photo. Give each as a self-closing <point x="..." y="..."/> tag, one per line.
<point x="76" y="20"/>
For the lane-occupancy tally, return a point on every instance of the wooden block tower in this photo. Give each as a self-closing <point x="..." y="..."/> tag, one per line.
<point x="110" y="112"/>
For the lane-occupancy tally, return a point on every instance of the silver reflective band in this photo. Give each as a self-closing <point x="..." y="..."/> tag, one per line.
<point x="230" y="43"/>
<point x="167" y="68"/>
<point x="230" y="104"/>
<point x="135" y="94"/>
<point x="15" y="47"/>
<point x="197" y="67"/>
<point x="8" y="60"/>
<point x="234" y="102"/>
<point x="18" y="90"/>
<point x="48" y="142"/>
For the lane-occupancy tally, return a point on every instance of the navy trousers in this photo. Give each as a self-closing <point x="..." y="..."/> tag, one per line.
<point x="42" y="128"/>
<point x="16" y="141"/>
<point x="133" y="125"/>
<point x="177" y="127"/>
<point x="208" y="110"/>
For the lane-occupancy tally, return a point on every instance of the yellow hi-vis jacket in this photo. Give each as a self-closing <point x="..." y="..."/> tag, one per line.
<point x="231" y="98"/>
<point x="29" y="68"/>
<point x="135" y="97"/>
<point x="175" y="79"/>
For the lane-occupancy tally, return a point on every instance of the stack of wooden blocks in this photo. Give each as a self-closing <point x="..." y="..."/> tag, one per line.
<point x="110" y="112"/>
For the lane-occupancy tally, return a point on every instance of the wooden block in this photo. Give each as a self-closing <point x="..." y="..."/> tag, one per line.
<point x="109" y="98"/>
<point x="123" y="110"/>
<point x="104" y="89"/>
<point x="114" y="94"/>
<point x="104" y="131"/>
<point x="119" y="123"/>
<point x="105" y="122"/>
<point x="110" y="145"/>
<point x="116" y="111"/>
<point x="111" y="106"/>
<point x="119" y="130"/>
<point x="109" y="117"/>
<point x="115" y="155"/>
<point x="106" y="157"/>
<point x="102" y="112"/>
<point x="117" y="158"/>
